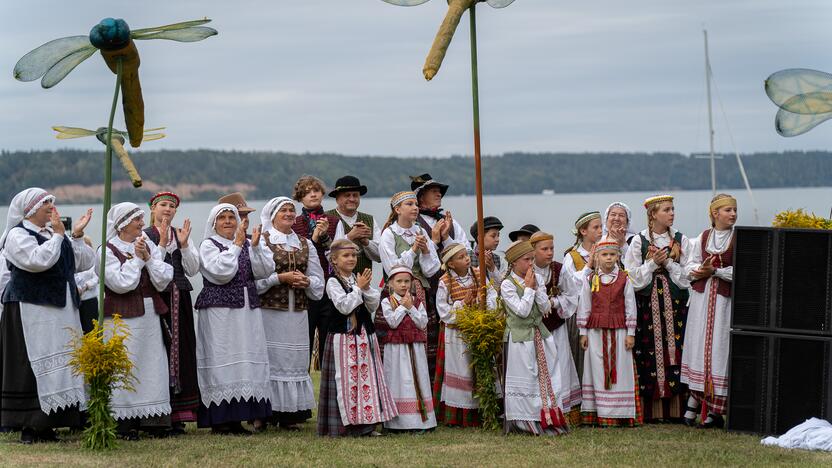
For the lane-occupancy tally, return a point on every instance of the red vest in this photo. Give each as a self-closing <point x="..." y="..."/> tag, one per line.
<point x="131" y="304"/>
<point x="723" y="260"/>
<point x="406" y="332"/>
<point x="553" y="321"/>
<point x="608" y="304"/>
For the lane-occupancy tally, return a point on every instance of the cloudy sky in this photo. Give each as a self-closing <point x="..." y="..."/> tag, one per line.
<point x="345" y="75"/>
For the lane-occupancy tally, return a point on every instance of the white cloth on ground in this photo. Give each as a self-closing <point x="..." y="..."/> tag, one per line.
<point x="813" y="434"/>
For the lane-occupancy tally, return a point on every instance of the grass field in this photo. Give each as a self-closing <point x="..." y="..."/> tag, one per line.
<point x="652" y="445"/>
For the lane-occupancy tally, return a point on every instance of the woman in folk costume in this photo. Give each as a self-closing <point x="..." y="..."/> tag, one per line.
<point x="617" y="219"/>
<point x="38" y="391"/>
<point x="180" y="335"/>
<point x="453" y="387"/>
<point x="655" y="262"/>
<point x="297" y="279"/>
<point x="404" y="319"/>
<point x="354" y="394"/>
<point x="533" y="380"/>
<point x="607" y="320"/>
<point x="134" y="273"/>
<point x="404" y="242"/>
<point x="87" y="283"/>
<point x="564" y="303"/>
<point x="576" y="266"/>
<point x="231" y="357"/>
<point x="705" y="357"/>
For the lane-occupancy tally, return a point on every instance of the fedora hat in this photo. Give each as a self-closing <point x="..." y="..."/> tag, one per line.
<point x="423" y="181"/>
<point x="348" y="183"/>
<point x="238" y="200"/>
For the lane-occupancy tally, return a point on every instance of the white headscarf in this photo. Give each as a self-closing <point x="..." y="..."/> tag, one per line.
<point x="271" y="208"/>
<point x="211" y="223"/>
<point x="607" y="214"/>
<point x="120" y="216"/>
<point x="23" y="205"/>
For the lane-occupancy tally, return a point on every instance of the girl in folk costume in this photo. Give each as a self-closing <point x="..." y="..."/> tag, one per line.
<point x="617" y="218"/>
<point x="180" y="333"/>
<point x="705" y="357"/>
<point x="577" y="266"/>
<point x="404" y="242"/>
<point x="134" y="274"/>
<point x="607" y="320"/>
<point x="285" y="295"/>
<point x="38" y="391"/>
<point x="404" y="319"/>
<point x="655" y="262"/>
<point x="232" y="362"/>
<point x="495" y="266"/>
<point x="533" y="380"/>
<point x="453" y="386"/>
<point x="564" y="302"/>
<point x="354" y="394"/>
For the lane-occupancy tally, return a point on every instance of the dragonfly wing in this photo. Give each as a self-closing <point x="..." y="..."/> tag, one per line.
<point x="148" y="130"/>
<point x="789" y="124"/>
<point x="405" y="2"/>
<point x="154" y="136"/>
<point x="171" y="27"/>
<point x="784" y="87"/>
<point x="194" y="34"/>
<point x="60" y="70"/>
<point x="38" y="61"/>
<point x="65" y="133"/>
<point x="500" y="3"/>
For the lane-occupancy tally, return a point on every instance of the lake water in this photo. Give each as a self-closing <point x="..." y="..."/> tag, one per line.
<point x="552" y="213"/>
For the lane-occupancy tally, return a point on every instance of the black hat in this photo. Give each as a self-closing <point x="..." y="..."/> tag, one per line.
<point x="348" y="183"/>
<point x="489" y="222"/>
<point x="527" y="229"/>
<point x="420" y="182"/>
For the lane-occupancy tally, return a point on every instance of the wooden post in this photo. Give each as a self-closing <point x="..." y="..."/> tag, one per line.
<point x="477" y="160"/>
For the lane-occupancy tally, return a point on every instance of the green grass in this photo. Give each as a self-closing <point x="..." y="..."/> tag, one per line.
<point x="656" y="445"/>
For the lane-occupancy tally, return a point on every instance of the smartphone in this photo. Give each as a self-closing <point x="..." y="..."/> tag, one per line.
<point x="67" y="222"/>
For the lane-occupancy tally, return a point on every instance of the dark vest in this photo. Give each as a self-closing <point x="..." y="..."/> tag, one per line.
<point x="301" y="228"/>
<point x="364" y="261"/>
<point x="230" y="294"/>
<point x="131" y="304"/>
<point x="723" y="260"/>
<point x="434" y="280"/>
<point x="608" y="304"/>
<point x="277" y="297"/>
<point x="340" y="323"/>
<point x="47" y="287"/>
<point x="675" y="291"/>
<point x="174" y="259"/>
<point x="553" y="321"/>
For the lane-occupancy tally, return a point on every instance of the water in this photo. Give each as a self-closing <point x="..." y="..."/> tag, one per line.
<point x="552" y="213"/>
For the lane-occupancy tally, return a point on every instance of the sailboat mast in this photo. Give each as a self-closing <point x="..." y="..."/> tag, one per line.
<point x="710" y="113"/>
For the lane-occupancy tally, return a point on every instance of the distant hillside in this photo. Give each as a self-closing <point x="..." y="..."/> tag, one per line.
<point x="204" y="174"/>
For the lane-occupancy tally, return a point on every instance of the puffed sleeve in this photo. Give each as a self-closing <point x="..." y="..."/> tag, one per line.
<point x="345" y="302"/>
<point x="446" y="310"/>
<point x="372" y="297"/>
<point x="491" y="297"/>
<point x="694" y="260"/>
<point x="675" y="269"/>
<point x="190" y="259"/>
<point x="23" y="251"/>
<point x="630" y="307"/>
<point x="541" y="298"/>
<point x="262" y="260"/>
<point x="387" y="252"/>
<point x="429" y="261"/>
<point x="372" y="247"/>
<point x="419" y="315"/>
<point x="84" y="254"/>
<point x="315" y="273"/>
<point x="392" y="316"/>
<point x="565" y="303"/>
<point x="585" y="306"/>
<point x="520" y="306"/>
<point x="161" y="273"/>
<point x="641" y="273"/>
<point x="122" y="278"/>
<point x="219" y="267"/>
<point x="726" y="273"/>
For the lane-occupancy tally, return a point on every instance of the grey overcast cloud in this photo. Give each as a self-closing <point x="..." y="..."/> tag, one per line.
<point x="345" y="75"/>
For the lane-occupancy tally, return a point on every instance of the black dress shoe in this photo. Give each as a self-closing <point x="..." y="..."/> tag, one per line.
<point x="47" y="435"/>
<point x="177" y="429"/>
<point x="238" y="429"/>
<point x="27" y="436"/>
<point x="713" y="421"/>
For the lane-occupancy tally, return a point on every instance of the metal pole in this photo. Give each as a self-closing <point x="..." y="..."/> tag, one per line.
<point x="710" y="114"/>
<point x="477" y="161"/>
<point x="108" y="188"/>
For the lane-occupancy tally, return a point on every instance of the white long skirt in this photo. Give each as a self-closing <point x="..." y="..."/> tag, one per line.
<point x="151" y="397"/>
<point x="231" y="358"/>
<point x="458" y="383"/>
<point x="619" y="401"/>
<point x="287" y="343"/>
<point x="522" y="390"/>
<point x="398" y="370"/>
<point x="47" y="332"/>
<point x="693" y="356"/>
<point x="571" y="383"/>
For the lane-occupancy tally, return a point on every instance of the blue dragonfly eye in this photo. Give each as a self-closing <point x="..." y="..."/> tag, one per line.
<point x="110" y="34"/>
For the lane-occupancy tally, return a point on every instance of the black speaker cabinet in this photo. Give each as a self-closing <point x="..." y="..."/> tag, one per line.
<point x="778" y="381"/>
<point x="783" y="280"/>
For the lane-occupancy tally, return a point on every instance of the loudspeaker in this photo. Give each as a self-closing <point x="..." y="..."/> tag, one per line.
<point x="783" y="280"/>
<point x="777" y="381"/>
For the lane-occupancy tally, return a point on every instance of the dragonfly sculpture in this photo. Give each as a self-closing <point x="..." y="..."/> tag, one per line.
<point x="53" y="61"/>
<point x="446" y="31"/>
<point x="804" y="98"/>
<point x="117" y="141"/>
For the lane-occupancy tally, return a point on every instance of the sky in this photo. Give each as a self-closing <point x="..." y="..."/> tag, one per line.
<point x="344" y="76"/>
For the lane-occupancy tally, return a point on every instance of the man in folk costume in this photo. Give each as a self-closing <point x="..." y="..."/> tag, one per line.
<point x="453" y="386"/>
<point x="705" y="357"/>
<point x="38" y="391"/>
<point x="564" y="304"/>
<point x="180" y="335"/>
<point x="655" y="261"/>
<point x="134" y="274"/>
<point x="355" y="225"/>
